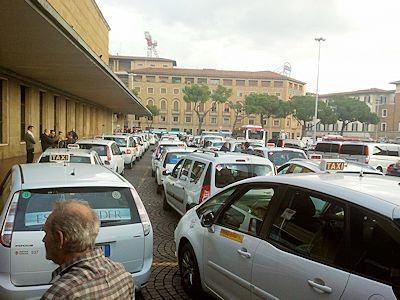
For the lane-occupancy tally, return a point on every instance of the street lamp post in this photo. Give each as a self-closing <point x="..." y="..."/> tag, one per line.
<point x="319" y="40"/>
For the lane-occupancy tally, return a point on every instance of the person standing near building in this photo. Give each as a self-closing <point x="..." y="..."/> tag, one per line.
<point x="84" y="272"/>
<point x="46" y="140"/>
<point x="29" y="139"/>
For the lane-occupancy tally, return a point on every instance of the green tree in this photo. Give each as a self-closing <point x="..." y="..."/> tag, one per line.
<point x="155" y="111"/>
<point x="350" y="110"/>
<point x="326" y="113"/>
<point x="266" y="106"/>
<point x="303" y="110"/>
<point x="199" y="95"/>
<point x="238" y="111"/>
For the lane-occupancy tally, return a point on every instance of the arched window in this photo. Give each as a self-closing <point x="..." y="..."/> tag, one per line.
<point x="188" y="106"/>
<point x="226" y="108"/>
<point x="214" y="107"/>
<point x="150" y="102"/>
<point x="201" y="107"/>
<point x="163" y="104"/>
<point x="176" y="105"/>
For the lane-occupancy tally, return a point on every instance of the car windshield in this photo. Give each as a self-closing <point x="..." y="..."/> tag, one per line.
<point x="226" y="174"/>
<point x="113" y="205"/>
<point x="173" y="158"/>
<point x="100" y="149"/>
<point x="119" y="141"/>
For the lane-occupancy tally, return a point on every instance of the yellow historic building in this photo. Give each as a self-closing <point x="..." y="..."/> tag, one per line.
<point x="158" y="82"/>
<point x="54" y="72"/>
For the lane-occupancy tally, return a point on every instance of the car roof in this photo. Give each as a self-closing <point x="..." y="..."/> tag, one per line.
<point x="74" y="151"/>
<point x="95" y="141"/>
<point x="220" y="156"/>
<point x="69" y="174"/>
<point x="374" y="192"/>
<point x="279" y="149"/>
<point x="170" y="142"/>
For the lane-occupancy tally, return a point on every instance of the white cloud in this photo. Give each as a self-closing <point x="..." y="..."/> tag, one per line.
<point x="359" y="51"/>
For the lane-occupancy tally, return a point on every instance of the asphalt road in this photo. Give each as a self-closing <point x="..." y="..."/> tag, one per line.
<point x="165" y="278"/>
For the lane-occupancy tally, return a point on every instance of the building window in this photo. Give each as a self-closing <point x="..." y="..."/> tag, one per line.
<point x="214" y="81"/>
<point x="384" y="113"/>
<point x="175" y="119"/>
<point x="202" y="80"/>
<point x="176" y="80"/>
<point x="176" y="106"/>
<point x="152" y="65"/>
<point x="253" y="83"/>
<point x="163" y="90"/>
<point x="2" y="104"/>
<point x="150" y="90"/>
<point x="137" y="78"/>
<point x="227" y="82"/>
<point x="163" y="105"/>
<point x="189" y="80"/>
<point x="151" y="78"/>
<point x="140" y="65"/>
<point x="137" y="89"/>
<point x="163" y="78"/>
<point x="265" y="122"/>
<point x="188" y="106"/>
<point x="176" y="91"/>
<point x="214" y="107"/>
<point x="265" y="83"/>
<point x="354" y="126"/>
<point x="240" y="94"/>
<point x="213" y="120"/>
<point x="23" y="91"/>
<point x="188" y="119"/>
<point x="383" y="126"/>
<point x="150" y="102"/>
<point x="41" y="108"/>
<point x="240" y="82"/>
<point x="278" y="94"/>
<point x="201" y="107"/>
<point x="276" y="123"/>
<point x="226" y="121"/>
<point x="163" y="119"/>
<point x="290" y="85"/>
<point x="251" y="122"/>
<point x="278" y="84"/>
<point x="165" y="66"/>
<point x="137" y="118"/>
<point x="226" y="108"/>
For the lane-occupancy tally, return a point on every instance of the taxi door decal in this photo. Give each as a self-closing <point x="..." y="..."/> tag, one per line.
<point x="231" y="235"/>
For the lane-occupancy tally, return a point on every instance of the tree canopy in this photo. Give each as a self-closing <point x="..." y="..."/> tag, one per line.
<point x="155" y="111"/>
<point x="200" y="94"/>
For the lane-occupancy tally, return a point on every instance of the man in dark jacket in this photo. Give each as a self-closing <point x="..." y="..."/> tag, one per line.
<point x="30" y="144"/>
<point x="46" y="140"/>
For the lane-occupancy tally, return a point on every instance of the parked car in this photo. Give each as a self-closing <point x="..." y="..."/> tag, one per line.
<point x="128" y="146"/>
<point x="155" y="157"/>
<point x="278" y="156"/>
<point x="70" y="155"/>
<point x="203" y="173"/>
<point x="108" y="151"/>
<point x="393" y="169"/>
<point x="325" y="149"/>
<point x="26" y="199"/>
<point x="320" y="236"/>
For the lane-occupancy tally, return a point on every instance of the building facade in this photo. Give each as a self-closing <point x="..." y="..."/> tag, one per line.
<point x="158" y="82"/>
<point x="54" y="72"/>
<point x="382" y="102"/>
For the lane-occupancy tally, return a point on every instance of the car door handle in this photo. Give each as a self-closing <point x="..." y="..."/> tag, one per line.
<point x="243" y="252"/>
<point x="320" y="286"/>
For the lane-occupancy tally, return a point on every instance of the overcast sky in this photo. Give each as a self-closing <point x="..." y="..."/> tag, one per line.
<point x="361" y="50"/>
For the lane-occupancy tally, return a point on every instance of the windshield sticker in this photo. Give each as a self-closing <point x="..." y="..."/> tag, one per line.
<point x="219" y="167"/>
<point x="113" y="214"/>
<point x="116" y="195"/>
<point x="36" y="218"/>
<point x="26" y="195"/>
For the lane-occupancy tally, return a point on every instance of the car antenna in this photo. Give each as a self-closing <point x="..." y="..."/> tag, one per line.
<point x="73" y="172"/>
<point x="361" y="172"/>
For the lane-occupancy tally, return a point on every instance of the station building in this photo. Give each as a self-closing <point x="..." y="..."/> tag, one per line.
<point x="54" y="73"/>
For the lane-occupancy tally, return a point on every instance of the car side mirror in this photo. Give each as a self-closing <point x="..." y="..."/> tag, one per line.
<point x="207" y="219"/>
<point x="166" y="173"/>
<point x="106" y="162"/>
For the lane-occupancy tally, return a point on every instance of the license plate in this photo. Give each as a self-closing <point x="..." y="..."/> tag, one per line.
<point x="106" y="249"/>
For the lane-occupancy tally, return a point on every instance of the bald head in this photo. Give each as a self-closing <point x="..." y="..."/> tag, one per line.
<point x="78" y="223"/>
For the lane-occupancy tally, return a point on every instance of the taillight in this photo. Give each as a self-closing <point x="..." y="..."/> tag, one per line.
<point x="108" y="153"/>
<point x="316" y="156"/>
<point x="8" y="225"/>
<point x="205" y="192"/>
<point x="128" y="151"/>
<point x="366" y="154"/>
<point x="142" y="212"/>
<point x="390" y="169"/>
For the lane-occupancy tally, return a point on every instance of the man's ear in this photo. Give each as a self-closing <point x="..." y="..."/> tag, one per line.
<point x="60" y="241"/>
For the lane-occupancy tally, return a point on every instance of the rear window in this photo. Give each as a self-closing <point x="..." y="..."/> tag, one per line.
<point x="173" y="158"/>
<point x="327" y="147"/>
<point x="72" y="159"/>
<point x="100" y="149"/>
<point x="354" y="149"/>
<point x="113" y="205"/>
<point x="226" y="174"/>
<point x="281" y="157"/>
<point x="119" y="141"/>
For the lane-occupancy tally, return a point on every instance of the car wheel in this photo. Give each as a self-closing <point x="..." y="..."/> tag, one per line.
<point x="165" y="204"/>
<point x="190" y="275"/>
<point x="380" y="169"/>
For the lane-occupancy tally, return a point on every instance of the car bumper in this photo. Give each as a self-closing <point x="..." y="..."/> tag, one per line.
<point x="10" y="291"/>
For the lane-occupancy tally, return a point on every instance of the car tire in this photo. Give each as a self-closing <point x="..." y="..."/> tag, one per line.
<point x="189" y="269"/>
<point x="380" y="169"/>
<point x="165" y="204"/>
<point x="153" y="173"/>
<point x="158" y="189"/>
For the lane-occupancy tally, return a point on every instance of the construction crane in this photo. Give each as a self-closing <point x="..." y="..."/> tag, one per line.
<point x="151" y="45"/>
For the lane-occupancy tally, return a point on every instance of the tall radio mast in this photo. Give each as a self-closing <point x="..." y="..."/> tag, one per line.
<point x="151" y="45"/>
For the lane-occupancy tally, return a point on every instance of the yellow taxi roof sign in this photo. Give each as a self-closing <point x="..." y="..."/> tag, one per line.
<point x="332" y="165"/>
<point x="59" y="157"/>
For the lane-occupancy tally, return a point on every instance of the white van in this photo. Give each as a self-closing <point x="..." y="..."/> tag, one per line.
<point x="378" y="155"/>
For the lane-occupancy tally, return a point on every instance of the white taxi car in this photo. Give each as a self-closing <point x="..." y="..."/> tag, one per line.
<point x="303" y="236"/>
<point x="128" y="147"/>
<point x="108" y="151"/>
<point x="26" y="199"/>
<point x="155" y="157"/>
<point x="73" y="155"/>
